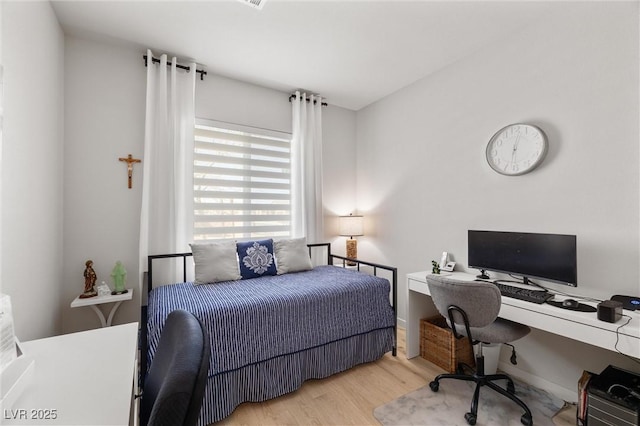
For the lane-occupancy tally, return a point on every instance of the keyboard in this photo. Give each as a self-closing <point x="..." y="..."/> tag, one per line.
<point x="534" y="296"/>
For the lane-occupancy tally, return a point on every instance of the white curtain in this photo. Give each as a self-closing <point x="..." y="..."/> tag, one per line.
<point x="166" y="221"/>
<point x="306" y="168"/>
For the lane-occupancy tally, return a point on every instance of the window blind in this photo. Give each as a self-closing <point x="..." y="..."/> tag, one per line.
<point x="242" y="182"/>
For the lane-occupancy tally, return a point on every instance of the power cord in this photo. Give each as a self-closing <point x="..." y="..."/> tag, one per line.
<point x="513" y="358"/>
<point x="630" y="391"/>
<point x="629" y="318"/>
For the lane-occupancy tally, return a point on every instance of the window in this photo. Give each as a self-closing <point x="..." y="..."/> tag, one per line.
<point x="242" y="182"/>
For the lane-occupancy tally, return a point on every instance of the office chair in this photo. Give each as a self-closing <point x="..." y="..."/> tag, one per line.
<point x="471" y="309"/>
<point x="174" y="386"/>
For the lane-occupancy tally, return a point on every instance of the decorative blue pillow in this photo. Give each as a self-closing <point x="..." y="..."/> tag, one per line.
<point x="256" y="258"/>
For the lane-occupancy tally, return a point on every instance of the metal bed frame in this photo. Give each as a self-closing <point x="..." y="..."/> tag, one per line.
<point x="330" y="261"/>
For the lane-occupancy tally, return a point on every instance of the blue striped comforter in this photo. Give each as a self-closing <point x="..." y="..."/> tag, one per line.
<point x="255" y="320"/>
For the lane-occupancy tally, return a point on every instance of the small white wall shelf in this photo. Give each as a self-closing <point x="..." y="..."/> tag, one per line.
<point x="92" y="302"/>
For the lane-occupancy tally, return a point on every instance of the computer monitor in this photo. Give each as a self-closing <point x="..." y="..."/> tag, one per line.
<point x="549" y="257"/>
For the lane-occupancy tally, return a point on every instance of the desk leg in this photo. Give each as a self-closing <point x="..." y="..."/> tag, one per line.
<point x="100" y="315"/>
<point x="113" y="312"/>
<point x="418" y="306"/>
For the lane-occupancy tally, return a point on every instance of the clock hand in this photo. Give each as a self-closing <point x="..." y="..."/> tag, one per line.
<point x="515" y="148"/>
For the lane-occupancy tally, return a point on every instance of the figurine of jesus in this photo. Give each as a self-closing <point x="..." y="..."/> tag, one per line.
<point x="119" y="275"/>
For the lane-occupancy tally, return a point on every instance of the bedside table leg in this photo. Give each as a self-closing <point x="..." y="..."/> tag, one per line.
<point x="112" y="313"/>
<point x="100" y="315"/>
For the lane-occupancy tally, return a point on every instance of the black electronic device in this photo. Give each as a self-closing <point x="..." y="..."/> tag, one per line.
<point x="610" y="311"/>
<point x="613" y="397"/>
<point x="534" y="296"/>
<point x="580" y="307"/>
<point x="570" y="303"/>
<point x="628" y="302"/>
<point x="550" y="257"/>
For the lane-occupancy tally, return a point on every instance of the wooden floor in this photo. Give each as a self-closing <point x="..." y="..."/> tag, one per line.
<point x="349" y="398"/>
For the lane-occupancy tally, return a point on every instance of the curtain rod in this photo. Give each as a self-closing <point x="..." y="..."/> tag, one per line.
<point x="293" y="96"/>
<point x="182" y="67"/>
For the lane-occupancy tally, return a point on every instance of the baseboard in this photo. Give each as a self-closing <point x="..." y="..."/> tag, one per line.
<point x="554" y="389"/>
<point x="402" y="323"/>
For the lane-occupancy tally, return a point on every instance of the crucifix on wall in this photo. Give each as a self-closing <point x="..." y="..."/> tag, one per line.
<point x="130" y="161"/>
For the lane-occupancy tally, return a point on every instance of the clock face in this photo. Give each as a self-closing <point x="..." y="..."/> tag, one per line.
<point x="516" y="149"/>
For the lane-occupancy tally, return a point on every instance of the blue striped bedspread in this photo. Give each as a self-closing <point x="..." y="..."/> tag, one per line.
<point x="254" y="320"/>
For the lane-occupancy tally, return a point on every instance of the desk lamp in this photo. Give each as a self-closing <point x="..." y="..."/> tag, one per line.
<point x="351" y="226"/>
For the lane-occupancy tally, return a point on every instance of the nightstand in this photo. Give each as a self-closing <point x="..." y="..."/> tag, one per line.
<point x="92" y="302"/>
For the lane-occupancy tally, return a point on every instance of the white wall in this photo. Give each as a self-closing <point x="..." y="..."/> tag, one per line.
<point x="423" y="179"/>
<point x="32" y="166"/>
<point x="104" y="119"/>
<point x="339" y="161"/>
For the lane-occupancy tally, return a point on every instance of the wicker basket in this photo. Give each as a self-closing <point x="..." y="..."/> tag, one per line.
<point x="439" y="346"/>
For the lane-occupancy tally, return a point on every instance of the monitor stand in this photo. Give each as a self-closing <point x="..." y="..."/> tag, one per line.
<point x="527" y="285"/>
<point x="483" y="275"/>
<point x="580" y="308"/>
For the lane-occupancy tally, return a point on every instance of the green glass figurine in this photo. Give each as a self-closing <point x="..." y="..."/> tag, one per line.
<point x="119" y="275"/>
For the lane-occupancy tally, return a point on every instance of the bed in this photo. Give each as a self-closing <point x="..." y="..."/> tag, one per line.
<point x="270" y="334"/>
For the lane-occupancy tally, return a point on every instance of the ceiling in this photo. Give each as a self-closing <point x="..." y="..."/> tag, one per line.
<point x="351" y="52"/>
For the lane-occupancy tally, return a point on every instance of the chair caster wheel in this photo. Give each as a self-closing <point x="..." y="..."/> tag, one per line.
<point x="511" y="388"/>
<point x="434" y="386"/>
<point x="526" y="420"/>
<point x="470" y="418"/>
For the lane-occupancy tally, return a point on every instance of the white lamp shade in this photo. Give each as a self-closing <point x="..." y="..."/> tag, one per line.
<point x="351" y="226"/>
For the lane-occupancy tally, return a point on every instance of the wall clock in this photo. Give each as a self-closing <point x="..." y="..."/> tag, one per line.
<point x="517" y="149"/>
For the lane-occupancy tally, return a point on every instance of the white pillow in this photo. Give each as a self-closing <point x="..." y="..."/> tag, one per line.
<point x="292" y="255"/>
<point x="215" y="262"/>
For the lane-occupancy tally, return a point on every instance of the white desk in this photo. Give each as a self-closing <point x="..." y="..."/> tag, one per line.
<point x="581" y="326"/>
<point x="84" y="378"/>
<point x="117" y="299"/>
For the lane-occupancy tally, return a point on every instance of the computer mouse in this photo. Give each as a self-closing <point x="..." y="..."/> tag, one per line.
<point x="570" y="303"/>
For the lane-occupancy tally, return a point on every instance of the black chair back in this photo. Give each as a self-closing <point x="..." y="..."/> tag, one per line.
<point x="174" y="386"/>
